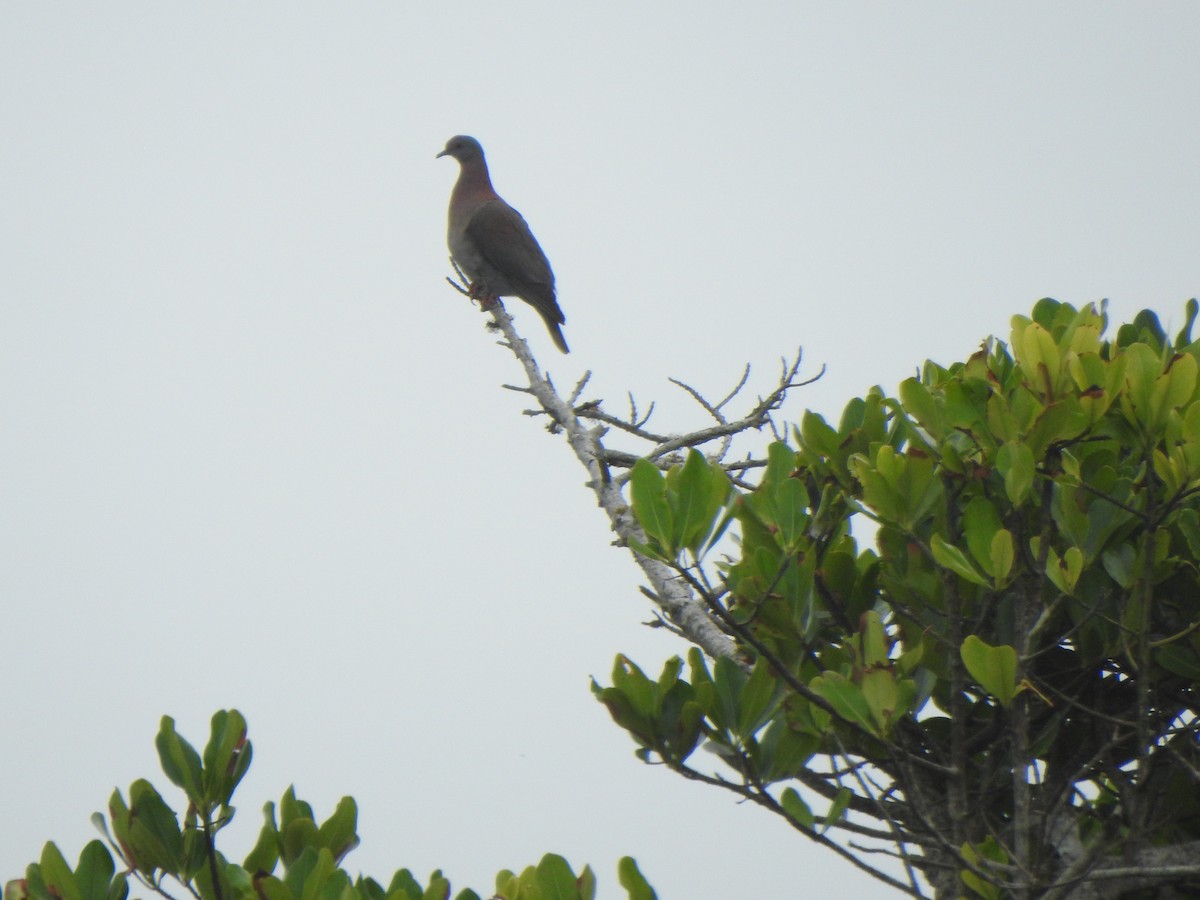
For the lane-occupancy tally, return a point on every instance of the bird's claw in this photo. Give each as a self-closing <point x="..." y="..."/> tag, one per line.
<point x="480" y="292"/>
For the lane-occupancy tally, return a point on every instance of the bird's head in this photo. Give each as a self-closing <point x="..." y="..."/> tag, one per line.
<point x="464" y="149"/>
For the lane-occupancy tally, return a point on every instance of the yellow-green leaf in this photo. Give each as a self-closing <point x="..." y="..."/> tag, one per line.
<point x="950" y="557"/>
<point x="994" y="668"/>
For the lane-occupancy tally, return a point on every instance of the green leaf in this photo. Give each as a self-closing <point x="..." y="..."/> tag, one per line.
<point x="994" y="668"/>
<point x="882" y="694"/>
<point x="1119" y="563"/>
<point x="786" y="751"/>
<point x="817" y="437"/>
<point x="837" y="808"/>
<point x="1015" y="462"/>
<point x="648" y="492"/>
<point x="876" y="648"/>
<point x="555" y="879"/>
<point x="667" y="679"/>
<point x="631" y="681"/>
<point x="297" y="836"/>
<point x="791" y="503"/>
<point x="1038" y="354"/>
<point x="1180" y="660"/>
<point x="975" y="854"/>
<point x="1181" y="381"/>
<point x="950" y="557"/>
<point x="728" y="680"/>
<point x="265" y="854"/>
<point x="648" y="551"/>
<point x="226" y="756"/>
<point x="632" y="880"/>
<point x="154" y="834"/>
<point x="404" y="884"/>
<point x="1184" y="337"/>
<point x="1002" y="424"/>
<point x="271" y="888"/>
<point x="587" y="884"/>
<point x="918" y="402"/>
<point x="1142" y="368"/>
<point x="1002" y="556"/>
<point x="338" y="833"/>
<point x="118" y="814"/>
<point x="291" y="807"/>
<point x="980" y="524"/>
<point x="180" y="761"/>
<point x="59" y="878"/>
<point x="755" y="705"/>
<point x="727" y="516"/>
<point x="95" y="871"/>
<point x="308" y="875"/>
<point x="1064" y="572"/>
<point x="846" y="699"/>
<point x="700" y="492"/>
<point x="438" y="887"/>
<point x="1057" y="422"/>
<point x="798" y="811"/>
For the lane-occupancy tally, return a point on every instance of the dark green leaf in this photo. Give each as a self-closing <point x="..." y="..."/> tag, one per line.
<point x="180" y="761"/>
<point x="798" y="811"/>
<point x="648" y="494"/>
<point x="58" y="877"/>
<point x="338" y="833"/>
<point x="95" y="871"/>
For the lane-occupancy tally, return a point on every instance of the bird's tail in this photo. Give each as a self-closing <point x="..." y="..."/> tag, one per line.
<point x="556" y="333"/>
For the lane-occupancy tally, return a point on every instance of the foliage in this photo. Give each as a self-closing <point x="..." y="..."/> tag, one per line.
<point x="294" y="858"/>
<point x="998" y="687"/>
<point x="958" y="631"/>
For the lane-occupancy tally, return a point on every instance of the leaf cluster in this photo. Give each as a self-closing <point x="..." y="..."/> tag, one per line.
<point x="295" y="857"/>
<point x="1000" y="682"/>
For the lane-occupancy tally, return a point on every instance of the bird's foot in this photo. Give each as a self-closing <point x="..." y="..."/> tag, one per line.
<point x="478" y="291"/>
<point x="488" y="301"/>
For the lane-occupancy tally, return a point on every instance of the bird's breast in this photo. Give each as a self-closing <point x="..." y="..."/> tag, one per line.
<point x="464" y="251"/>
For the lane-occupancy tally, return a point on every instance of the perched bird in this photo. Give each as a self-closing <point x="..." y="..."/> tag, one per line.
<point x="492" y="244"/>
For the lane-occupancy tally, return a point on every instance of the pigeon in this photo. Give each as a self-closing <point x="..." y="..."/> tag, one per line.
<point x="492" y="244"/>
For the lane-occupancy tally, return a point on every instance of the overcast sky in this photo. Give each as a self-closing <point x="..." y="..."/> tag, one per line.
<point x="254" y="452"/>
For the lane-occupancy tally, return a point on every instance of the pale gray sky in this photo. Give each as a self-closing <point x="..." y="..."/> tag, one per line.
<point x="254" y="451"/>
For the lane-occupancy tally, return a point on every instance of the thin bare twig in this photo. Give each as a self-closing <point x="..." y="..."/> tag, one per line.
<point x="680" y="606"/>
<point x="592" y="411"/>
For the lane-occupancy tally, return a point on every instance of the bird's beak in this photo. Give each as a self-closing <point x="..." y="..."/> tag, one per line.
<point x="443" y="153"/>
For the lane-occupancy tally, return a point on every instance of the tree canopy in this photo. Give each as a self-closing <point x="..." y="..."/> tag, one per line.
<point x="295" y="856"/>
<point x="967" y="619"/>
<point x="954" y="637"/>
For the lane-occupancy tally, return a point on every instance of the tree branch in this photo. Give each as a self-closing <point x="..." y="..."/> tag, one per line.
<point x="681" y="607"/>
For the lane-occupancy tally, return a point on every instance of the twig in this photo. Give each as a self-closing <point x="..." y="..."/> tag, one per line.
<point x="679" y="604"/>
<point x="592" y="411"/>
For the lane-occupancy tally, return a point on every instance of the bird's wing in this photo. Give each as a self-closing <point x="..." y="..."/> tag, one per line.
<point x="505" y="241"/>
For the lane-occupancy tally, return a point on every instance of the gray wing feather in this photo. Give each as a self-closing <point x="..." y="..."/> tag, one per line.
<point x="503" y="238"/>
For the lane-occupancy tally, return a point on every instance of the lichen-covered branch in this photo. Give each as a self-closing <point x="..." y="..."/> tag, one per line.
<point x="682" y="608"/>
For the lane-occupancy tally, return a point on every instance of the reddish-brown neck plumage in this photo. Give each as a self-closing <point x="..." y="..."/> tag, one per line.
<point x="473" y="186"/>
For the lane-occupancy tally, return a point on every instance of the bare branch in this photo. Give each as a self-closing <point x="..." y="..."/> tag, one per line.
<point x="582" y="383"/>
<point x="695" y="394"/>
<point x="764" y="799"/>
<point x="591" y="410"/>
<point x="737" y="388"/>
<point x="681" y="607"/>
